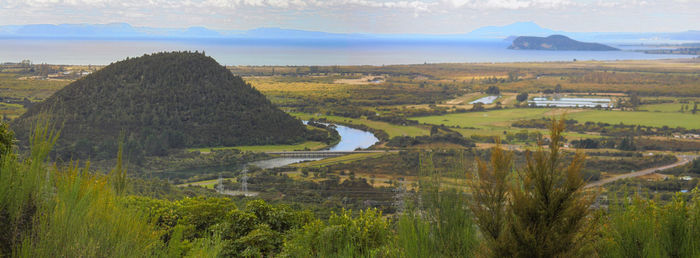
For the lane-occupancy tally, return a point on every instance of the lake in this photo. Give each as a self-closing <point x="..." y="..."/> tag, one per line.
<point x="299" y="51"/>
<point x="485" y="100"/>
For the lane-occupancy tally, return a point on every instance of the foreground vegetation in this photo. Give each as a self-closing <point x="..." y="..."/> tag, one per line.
<point x="541" y="210"/>
<point x="457" y="179"/>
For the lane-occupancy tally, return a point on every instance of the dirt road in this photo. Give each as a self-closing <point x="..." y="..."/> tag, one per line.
<point x="682" y="160"/>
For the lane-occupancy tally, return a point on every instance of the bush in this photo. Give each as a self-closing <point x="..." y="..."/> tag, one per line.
<point x="343" y="235"/>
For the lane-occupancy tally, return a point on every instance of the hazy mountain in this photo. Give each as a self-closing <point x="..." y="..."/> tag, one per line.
<point x="556" y="42"/>
<point x="507" y="32"/>
<point x="72" y="30"/>
<point x="112" y="30"/>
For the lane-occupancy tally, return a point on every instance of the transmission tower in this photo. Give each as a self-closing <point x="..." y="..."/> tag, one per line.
<point x="220" y="185"/>
<point x="244" y="182"/>
<point x="399" y="196"/>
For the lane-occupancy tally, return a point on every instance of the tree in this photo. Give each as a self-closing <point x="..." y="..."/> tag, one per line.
<point x="545" y="213"/>
<point x="695" y="108"/>
<point x="490" y="191"/>
<point x="493" y="90"/>
<point x="6" y="139"/>
<point x="557" y="88"/>
<point x="627" y="144"/>
<point x="434" y="130"/>
<point x="548" y="211"/>
<point x="634" y="100"/>
<point x="522" y="96"/>
<point x="513" y="76"/>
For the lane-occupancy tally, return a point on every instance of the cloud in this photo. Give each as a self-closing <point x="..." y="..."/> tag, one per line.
<point x="416" y="5"/>
<point x="509" y="4"/>
<point x="390" y="16"/>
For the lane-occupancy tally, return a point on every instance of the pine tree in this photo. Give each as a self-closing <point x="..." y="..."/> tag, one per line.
<point x="545" y="213"/>
<point x="489" y="192"/>
<point x="548" y="211"/>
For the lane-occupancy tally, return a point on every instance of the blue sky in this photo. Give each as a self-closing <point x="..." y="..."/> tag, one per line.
<point x="365" y="16"/>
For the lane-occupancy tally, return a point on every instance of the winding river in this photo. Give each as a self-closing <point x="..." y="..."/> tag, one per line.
<point x="350" y="139"/>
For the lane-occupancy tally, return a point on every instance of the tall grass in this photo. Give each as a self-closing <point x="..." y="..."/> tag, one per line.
<point x="24" y="187"/>
<point x="439" y="223"/>
<point x="83" y="218"/>
<point x="643" y="228"/>
<point x="66" y="211"/>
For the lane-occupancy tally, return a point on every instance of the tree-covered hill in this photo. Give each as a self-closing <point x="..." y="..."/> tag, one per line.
<point x="162" y="101"/>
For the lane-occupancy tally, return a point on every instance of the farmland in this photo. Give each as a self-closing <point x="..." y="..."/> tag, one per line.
<point x="309" y="145"/>
<point x="656" y="119"/>
<point x="424" y="107"/>
<point x="432" y="137"/>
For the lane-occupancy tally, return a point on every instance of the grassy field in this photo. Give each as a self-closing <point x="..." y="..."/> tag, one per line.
<point x="337" y="160"/>
<point x="206" y="183"/>
<point x="486" y="120"/>
<point x="668" y="108"/>
<point x="311" y="145"/>
<point x="34" y="90"/>
<point x="11" y="110"/>
<point x="500" y="119"/>
<point x="657" y="119"/>
<point x="29" y="88"/>
<point x="513" y="130"/>
<point x="391" y="129"/>
<point x="210" y="184"/>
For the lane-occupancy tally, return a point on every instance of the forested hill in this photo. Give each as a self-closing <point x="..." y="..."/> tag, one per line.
<point x="557" y="42"/>
<point x="161" y="101"/>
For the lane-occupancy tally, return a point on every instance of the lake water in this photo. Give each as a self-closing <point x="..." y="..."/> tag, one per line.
<point x="351" y="139"/>
<point x="485" y="100"/>
<point x="299" y="52"/>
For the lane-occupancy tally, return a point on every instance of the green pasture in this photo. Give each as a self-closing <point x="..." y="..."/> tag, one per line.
<point x="311" y="145"/>
<point x="656" y="119"/>
<point x="210" y="184"/>
<point x="340" y="159"/>
<point x="668" y="107"/>
<point x="485" y="120"/>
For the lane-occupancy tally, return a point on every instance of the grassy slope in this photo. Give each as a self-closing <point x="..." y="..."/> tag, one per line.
<point x="336" y="160"/>
<point x="262" y="148"/>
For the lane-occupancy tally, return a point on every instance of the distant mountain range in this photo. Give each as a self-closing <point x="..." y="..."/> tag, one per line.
<point x="124" y="30"/>
<point x="557" y="42"/>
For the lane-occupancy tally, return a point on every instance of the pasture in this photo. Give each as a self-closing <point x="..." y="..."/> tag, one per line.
<point x="337" y="160"/>
<point x="667" y="107"/>
<point x="656" y="119"/>
<point x="487" y="119"/>
<point x="308" y="145"/>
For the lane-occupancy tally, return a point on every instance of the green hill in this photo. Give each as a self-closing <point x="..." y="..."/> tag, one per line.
<point x="557" y="42"/>
<point x="162" y="101"/>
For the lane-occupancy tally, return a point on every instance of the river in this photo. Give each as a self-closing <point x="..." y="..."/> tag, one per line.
<point x="350" y="139"/>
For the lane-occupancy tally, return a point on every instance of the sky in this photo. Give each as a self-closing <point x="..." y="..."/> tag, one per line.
<point x="365" y="16"/>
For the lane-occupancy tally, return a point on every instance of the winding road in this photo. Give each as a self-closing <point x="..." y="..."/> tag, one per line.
<point x="682" y="160"/>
